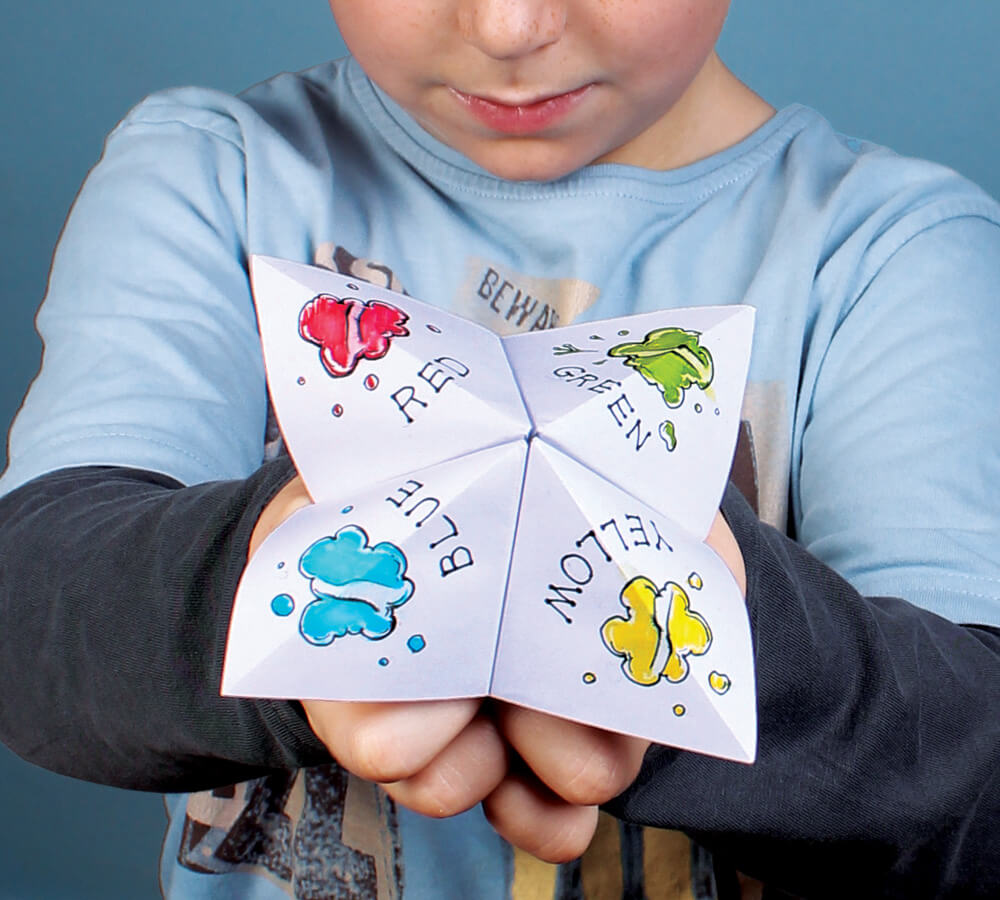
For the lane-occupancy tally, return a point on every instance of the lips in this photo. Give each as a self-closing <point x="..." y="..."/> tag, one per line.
<point x="521" y="118"/>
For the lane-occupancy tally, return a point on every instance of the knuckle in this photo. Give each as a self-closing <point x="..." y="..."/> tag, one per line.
<point x="375" y="755"/>
<point x="565" y="843"/>
<point x="591" y="779"/>
<point x="439" y="797"/>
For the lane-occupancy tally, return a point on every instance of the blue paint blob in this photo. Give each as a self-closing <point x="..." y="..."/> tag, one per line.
<point x="281" y="565"/>
<point x="347" y="509"/>
<point x="301" y="380"/>
<point x="383" y="661"/>
<point x="357" y="587"/>
<point x="283" y="605"/>
<point x="416" y="643"/>
<point x="329" y="618"/>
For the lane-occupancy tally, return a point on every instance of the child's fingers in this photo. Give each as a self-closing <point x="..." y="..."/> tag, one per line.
<point x="388" y="742"/>
<point x="530" y="816"/>
<point x="460" y="776"/>
<point x="583" y="765"/>
<point x="292" y="497"/>
<point x="723" y="542"/>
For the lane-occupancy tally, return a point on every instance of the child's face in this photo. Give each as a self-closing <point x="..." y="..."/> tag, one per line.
<point x="534" y="89"/>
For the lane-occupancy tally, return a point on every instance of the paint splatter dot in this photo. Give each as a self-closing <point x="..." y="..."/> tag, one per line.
<point x="717" y="411"/>
<point x="301" y="379"/>
<point x="283" y="605"/>
<point x="719" y="683"/>
<point x="337" y="410"/>
<point x="596" y="337"/>
<point x="434" y="329"/>
<point x="697" y="407"/>
<point x="679" y="709"/>
<point x="347" y="509"/>
<point x="353" y="287"/>
<point x="371" y="382"/>
<point x="599" y="362"/>
<point x="694" y="579"/>
<point x="416" y="643"/>
<point x="383" y="661"/>
<point x="281" y="565"/>
<point x="589" y="678"/>
<point x="667" y="434"/>
<point x="623" y="332"/>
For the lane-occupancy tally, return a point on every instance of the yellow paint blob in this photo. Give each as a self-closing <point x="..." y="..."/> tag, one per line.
<point x="679" y="710"/>
<point x="649" y="650"/>
<point x="688" y="632"/>
<point x="636" y="638"/>
<point x="719" y="683"/>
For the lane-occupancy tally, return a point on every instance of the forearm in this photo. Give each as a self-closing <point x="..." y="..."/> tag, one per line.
<point x="878" y="770"/>
<point x="115" y="593"/>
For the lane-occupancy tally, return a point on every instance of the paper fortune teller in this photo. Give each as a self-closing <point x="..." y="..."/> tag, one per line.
<point x="520" y="517"/>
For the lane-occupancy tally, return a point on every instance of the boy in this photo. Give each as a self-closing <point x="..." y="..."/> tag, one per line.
<point x="525" y="163"/>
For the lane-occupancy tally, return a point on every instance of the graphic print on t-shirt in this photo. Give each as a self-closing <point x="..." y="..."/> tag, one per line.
<point x="317" y="834"/>
<point x="507" y="301"/>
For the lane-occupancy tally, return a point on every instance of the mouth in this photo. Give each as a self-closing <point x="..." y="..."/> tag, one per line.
<point x="521" y="117"/>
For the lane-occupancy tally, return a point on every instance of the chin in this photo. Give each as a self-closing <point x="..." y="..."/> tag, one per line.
<point x="524" y="162"/>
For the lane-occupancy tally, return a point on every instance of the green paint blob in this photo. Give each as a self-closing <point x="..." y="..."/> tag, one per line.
<point x="672" y="359"/>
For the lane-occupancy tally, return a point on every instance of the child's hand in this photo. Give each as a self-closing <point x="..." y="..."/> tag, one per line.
<point x="440" y="758"/>
<point x="551" y="812"/>
<point x="436" y="757"/>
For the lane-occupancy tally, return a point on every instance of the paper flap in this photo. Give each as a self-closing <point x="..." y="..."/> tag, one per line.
<point x="368" y="383"/>
<point x="619" y="619"/>
<point x="395" y="595"/>
<point x="652" y="402"/>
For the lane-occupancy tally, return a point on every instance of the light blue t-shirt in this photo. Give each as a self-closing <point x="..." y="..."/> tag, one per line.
<point x="871" y="415"/>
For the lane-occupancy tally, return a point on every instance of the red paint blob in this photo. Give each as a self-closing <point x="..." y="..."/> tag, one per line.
<point x="349" y="330"/>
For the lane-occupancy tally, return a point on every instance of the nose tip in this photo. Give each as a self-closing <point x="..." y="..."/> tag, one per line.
<point x="507" y="29"/>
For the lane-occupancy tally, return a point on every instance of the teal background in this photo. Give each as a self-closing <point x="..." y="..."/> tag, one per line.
<point x="920" y="76"/>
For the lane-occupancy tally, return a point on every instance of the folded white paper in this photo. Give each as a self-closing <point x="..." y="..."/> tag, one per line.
<point x="519" y="517"/>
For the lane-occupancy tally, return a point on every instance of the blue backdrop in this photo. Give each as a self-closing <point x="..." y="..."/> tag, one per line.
<point x="920" y="76"/>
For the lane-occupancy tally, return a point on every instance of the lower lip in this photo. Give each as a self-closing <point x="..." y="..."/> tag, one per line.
<point x="527" y="119"/>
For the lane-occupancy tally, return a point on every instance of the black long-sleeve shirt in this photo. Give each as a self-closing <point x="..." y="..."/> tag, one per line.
<point x="878" y="770"/>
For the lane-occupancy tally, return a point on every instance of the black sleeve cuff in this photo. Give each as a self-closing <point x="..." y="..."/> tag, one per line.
<point x="878" y="769"/>
<point x="116" y="588"/>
